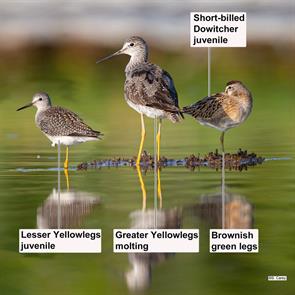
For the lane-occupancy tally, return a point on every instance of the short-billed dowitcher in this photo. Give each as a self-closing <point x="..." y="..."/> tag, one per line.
<point x="223" y="110"/>
<point x="60" y="125"/>
<point x="148" y="89"/>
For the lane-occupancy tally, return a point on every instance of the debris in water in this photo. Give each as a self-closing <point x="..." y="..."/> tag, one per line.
<point x="237" y="161"/>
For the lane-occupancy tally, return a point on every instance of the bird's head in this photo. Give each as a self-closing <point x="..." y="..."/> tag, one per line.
<point x="40" y="100"/>
<point x="133" y="46"/>
<point x="236" y="88"/>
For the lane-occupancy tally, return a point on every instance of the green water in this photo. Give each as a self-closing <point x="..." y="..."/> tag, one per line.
<point x="70" y="75"/>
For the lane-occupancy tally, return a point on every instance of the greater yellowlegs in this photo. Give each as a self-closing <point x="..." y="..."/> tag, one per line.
<point x="148" y="89"/>
<point x="60" y="125"/>
<point x="223" y="110"/>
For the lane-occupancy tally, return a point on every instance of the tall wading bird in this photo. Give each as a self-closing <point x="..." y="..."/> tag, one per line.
<point x="223" y="110"/>
<point x="60" y="125"/>
<point x="148" y="89"/>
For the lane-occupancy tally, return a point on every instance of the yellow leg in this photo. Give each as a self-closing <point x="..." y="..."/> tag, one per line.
<point x="66" y="172"/>
<point x="159" y="188"/>
<point x="159" y="140"/>
<point x="143" y="190"/>
<point x="141" y="141"/>
<point x="66" y="163"/>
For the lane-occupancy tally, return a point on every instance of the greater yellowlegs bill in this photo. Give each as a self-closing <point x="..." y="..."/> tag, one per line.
<point x="148" y="89"/>
<point x="60" y="125"/>
<point x="223" y="110"/>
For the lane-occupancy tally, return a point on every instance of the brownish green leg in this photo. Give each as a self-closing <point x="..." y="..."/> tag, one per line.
<point x="222" y="141"/>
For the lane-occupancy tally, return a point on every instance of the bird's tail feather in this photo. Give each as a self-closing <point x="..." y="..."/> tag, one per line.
<point x="175" y="117"/>
<point x="98" y="134"/>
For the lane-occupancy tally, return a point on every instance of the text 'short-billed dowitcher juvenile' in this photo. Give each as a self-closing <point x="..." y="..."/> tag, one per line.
<point x="223" y="110"/>
<point x="59" y="124"/>
<point x="148" y="89"/>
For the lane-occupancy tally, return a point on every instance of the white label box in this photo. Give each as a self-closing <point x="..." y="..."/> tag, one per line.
<point x="218" y="29"/>
<point x="277" y="278"/>
<point x="234" y="241"/>
<point x="59" y="241"/>
<point x="156" y="240"/>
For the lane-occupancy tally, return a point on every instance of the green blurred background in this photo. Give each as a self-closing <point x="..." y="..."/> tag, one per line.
<point x="64" y="66"/>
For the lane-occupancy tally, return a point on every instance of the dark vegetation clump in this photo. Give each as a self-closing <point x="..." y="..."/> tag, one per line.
<point x="236" y="161"/>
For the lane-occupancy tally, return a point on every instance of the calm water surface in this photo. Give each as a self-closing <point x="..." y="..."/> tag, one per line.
<point x="107" y="198"/>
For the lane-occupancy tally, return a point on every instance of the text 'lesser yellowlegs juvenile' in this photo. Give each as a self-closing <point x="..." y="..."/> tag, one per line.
<point x="60" y="125"/>
<point x="223" y="110"/>
<point x="148" y="89"/>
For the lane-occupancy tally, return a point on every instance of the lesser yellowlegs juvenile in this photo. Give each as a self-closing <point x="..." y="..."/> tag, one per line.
<point x="223" y="110"/>
<point x="60" y="125"/>
<point x="148" y="89"/>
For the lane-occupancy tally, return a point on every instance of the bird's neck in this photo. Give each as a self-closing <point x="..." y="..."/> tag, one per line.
<point x="40" y="112"/>
<point x="135" y="60"/>
<point x="246" y="98"/>
<point x="246" y="103"/>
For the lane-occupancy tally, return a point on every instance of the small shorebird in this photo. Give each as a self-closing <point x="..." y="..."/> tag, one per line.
<point x="223" y="110"/>
<point x="60" y="125"/>
<point x="148" y="89"/>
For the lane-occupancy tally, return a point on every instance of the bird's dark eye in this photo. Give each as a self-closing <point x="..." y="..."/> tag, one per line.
<point x="40" y="98"/>
<point x="131" y="44"/>
<point x="229" y="88"/>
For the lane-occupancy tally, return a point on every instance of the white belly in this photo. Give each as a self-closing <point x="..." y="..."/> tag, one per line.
<point x="148" y="111"/>
<point x="69" y="140"/>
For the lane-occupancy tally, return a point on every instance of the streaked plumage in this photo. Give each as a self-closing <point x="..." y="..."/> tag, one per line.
<point x="223" y="110"/>
<point x="59" y="124"/>
<point x="151" y="91"/>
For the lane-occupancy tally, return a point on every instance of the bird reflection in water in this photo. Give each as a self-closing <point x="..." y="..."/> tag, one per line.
<point x="143" y="189"/>
<point x="66" y="209"/>
<point x="238" y="212"/>
<point x="139" y="276"/>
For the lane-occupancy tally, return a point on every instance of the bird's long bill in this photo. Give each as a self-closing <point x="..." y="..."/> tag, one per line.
<point x="25" y="106"/>
<point x="110" y="56"/>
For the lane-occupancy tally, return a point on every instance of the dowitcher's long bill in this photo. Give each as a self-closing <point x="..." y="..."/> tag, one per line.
<point x="148" y="89"/>
<point x="60" y="125"/>
<point x="223" y="110"/>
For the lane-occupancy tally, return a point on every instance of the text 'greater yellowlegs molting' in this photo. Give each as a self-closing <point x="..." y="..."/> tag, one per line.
<point x="223" y="110"/>
<point x="60" y="125"/>
<point x="148" y="89"/>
